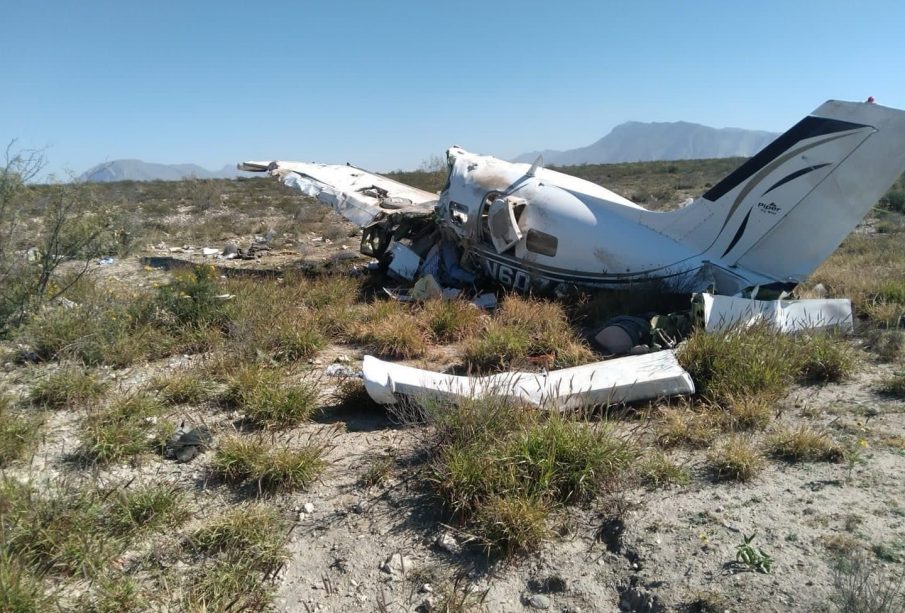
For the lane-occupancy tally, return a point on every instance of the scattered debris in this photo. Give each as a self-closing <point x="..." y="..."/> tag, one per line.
<point x="341" y="370"/>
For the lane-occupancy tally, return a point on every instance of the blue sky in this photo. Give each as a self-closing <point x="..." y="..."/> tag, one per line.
<point x="385" y="85"/>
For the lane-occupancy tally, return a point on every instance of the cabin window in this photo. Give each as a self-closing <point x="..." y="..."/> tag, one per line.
<point x="541" y="242"/>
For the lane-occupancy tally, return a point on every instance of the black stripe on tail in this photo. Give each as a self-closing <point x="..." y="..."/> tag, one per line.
<point x="809" y="127"/>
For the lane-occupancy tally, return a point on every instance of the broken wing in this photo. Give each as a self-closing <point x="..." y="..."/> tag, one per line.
<point x="356" y="194"/>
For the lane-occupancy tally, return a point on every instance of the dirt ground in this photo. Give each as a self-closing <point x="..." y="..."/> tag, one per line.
<point x="386" y="548"/>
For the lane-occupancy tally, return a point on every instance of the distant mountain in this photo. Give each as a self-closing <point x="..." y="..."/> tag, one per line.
<point x="137" y="170"/>
<point x="635" y="141"/>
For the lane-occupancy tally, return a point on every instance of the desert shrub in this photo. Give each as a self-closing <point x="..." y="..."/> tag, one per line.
<point x="267" y="401"/>
<point x="754" y="361"/>
<point x="194" y="299"/>
<point x="894" y="386"/>
<point x="825" y="358"/>
<point x="69" y="386"/>
<point x="106" y="327"/>
<point x="804" y="445"/>
<point x="271" y="467"/>
<point x="65" y="222"/>
<point x="127" y="429"/>
<point x="737" y="459"/>
<point x="863" y="586"/>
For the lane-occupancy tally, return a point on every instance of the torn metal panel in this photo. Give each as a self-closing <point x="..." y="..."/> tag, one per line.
<point x="356" y="194"/>
<point x="405" y="262"/>
<point x="629" y="379"/>
<point x="722" y="313"/>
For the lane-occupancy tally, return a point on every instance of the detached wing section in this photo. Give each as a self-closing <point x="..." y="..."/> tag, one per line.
<point x="356" y="194"/>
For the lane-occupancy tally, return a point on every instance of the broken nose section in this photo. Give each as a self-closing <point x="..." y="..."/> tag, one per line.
<point x="629" y="379"/>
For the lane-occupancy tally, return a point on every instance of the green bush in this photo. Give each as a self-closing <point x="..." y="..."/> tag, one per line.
<point x="502" y="468"/>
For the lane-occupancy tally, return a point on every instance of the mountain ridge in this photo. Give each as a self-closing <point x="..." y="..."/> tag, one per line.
<point x="636" y="141"/>
<point x="139" y="170"/>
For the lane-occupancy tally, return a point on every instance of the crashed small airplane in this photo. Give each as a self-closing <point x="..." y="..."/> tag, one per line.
<point x="766" y="226"/>
<point x="757" y="233"/>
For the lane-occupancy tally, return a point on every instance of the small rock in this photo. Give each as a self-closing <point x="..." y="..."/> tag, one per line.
<point x="185" y="446"/>
<point x="427" y="588"/>
<point x="359" y="507"/>
<point x="448" y="543"/>
<point x="398" y="564"/>
<point x="231" y="249"/>
<point x="539" y="601"/>
<point x="426" y="606"/>
<point x="308" y="508"/>
<point x="207" y="251"/>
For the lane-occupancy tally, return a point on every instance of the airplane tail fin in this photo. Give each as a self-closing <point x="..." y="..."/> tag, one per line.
<point x="786" y="209"/>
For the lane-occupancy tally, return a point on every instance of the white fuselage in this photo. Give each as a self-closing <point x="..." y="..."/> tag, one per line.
<point x="598" y="238"/>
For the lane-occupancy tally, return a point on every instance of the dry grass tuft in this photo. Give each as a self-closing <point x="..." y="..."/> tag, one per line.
<point x="241" y="550"/>
<point x="18" y="432"/>
<point x="657" y="470"/>
<point x="69" y="386"/>
<point x="391" y="330"/>
<point x="527" y="332"/>
<point x="737" y="459"/>
<point x="684" y="427"/>
<point x="129" y="428"/>
<point x="451" y="321"/>
<point x="894" y="386"/>
<point x="184" y="388"/>
<point x="804" y="445"/>
<point x="267" y="401"/>
<point x="271" y="467"/>
<point x="886" y="344"/>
